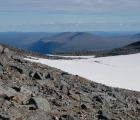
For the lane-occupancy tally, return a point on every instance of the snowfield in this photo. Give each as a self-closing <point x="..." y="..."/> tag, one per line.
<point x="117" y="71"/>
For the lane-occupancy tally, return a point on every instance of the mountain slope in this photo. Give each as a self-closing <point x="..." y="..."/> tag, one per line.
<point x="137" y="36"/>
<point x="77" y="41"/>
<point x="34" y="91"/>
<point x="69" y="41"/>
<point x="133" y="48"/>
<point x="134" y="44"/>
<point x="22" y="39"/>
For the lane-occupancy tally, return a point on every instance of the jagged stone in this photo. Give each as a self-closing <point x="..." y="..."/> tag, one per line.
<point x="18" y="99"/>
<point x="18" y="58"/>
<point x="3" y="60"/>
<point x="85" y="98"/>
<point x="1" y="83"/>
<point x="105" y="115"/>
<point x="8" y="91"/>
<point x="83" y="106"/>
<point x="26" y="91"/>
<point x="98" y="98"/>
<point x="76" y="96"/>
<point x="1" y="49"/>
<point x="40" y="103"/>
<point x="57" y="102"/>
<point x="64" y="89"/>
<point x="37" y="75"/>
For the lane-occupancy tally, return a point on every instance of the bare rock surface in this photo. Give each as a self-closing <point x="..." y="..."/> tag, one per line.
<point x="33" y="91"/>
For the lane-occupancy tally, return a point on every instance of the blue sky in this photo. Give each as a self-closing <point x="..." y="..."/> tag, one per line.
<point x="69" y="15"/>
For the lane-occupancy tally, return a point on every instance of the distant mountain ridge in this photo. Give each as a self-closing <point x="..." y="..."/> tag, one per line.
<point x="132" y="48"/>
<point x="135" y="44"/>
<point x="137" y="35"/>
<point x="22" y="39"/>
<point x="49" y="42"/>
<point x="76" y="41"/>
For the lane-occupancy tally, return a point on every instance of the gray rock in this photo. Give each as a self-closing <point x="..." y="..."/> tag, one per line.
<point x="1" y="49"/>
<point x="85" y="98"/>
<point x="62" y="84"/>
<point x="1" y="70"/>
<point x="105" y="115"/>
<point x="3" y="60"/>
<point x="25" y="70"/>
<point x="57" y="102"/>
<point x="120" y="98"/>
<point x="39" y="115"/>
<point x="1" y="83"/>
<point x="75" y="96"/>
<point x="7" y="52"/>
<point x="18" y="58"/>
<point x="8" y="91"/>
<point x="66" y="75"/>
<point x="34" y="89"/>
<point x="67" y="117"/>
<point x="25" y="91"/>
<point x="44" y="82"/>
<point x="64" y="89"/>
<point x="12" y="114"/>
<point x="83" y="106"/>
<point x="95" y="89"/>
<point x="138" y="100"/>
<point x="98" y="99"/>
<point x="40" y="103"/>
<point x="37" y="75"/>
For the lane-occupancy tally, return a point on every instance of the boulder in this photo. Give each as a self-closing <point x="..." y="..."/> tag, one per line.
<point x="37" y="75"/>
<point x="8" y="91"/>
<point x="75" y="96"/>
<point x="1" y="49"/>
<point x="18" y="58"/>
<point x="40" y="103"/>
<point x="18" y="99"/>
<point x="3" y="60"/>
<point x="1" y="83"/>
<point x="105" y="115"/>
<point x="85" y="98"/>
<point x="26" y="91"/>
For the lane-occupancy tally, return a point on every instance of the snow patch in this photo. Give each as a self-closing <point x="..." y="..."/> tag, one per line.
<point x="116" y="71"/>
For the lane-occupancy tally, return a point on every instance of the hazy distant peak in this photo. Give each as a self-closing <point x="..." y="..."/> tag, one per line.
<point x="137" y="35"/>
<point x="70" y="36"/>
<point x="135" y="44"/>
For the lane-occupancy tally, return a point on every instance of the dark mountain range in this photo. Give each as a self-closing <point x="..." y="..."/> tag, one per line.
<point x="132" y="48"/>
<point x="137" y="36"/>
<point x="77" y="41"/>
<point x="42" y="42"/>
<point x="22" y="39"/>
<point x="134" y="44"/>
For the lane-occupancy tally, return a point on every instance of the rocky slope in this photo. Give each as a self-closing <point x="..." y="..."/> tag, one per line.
<point x="23" y="53"/>
<point x="33" y="91"/>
